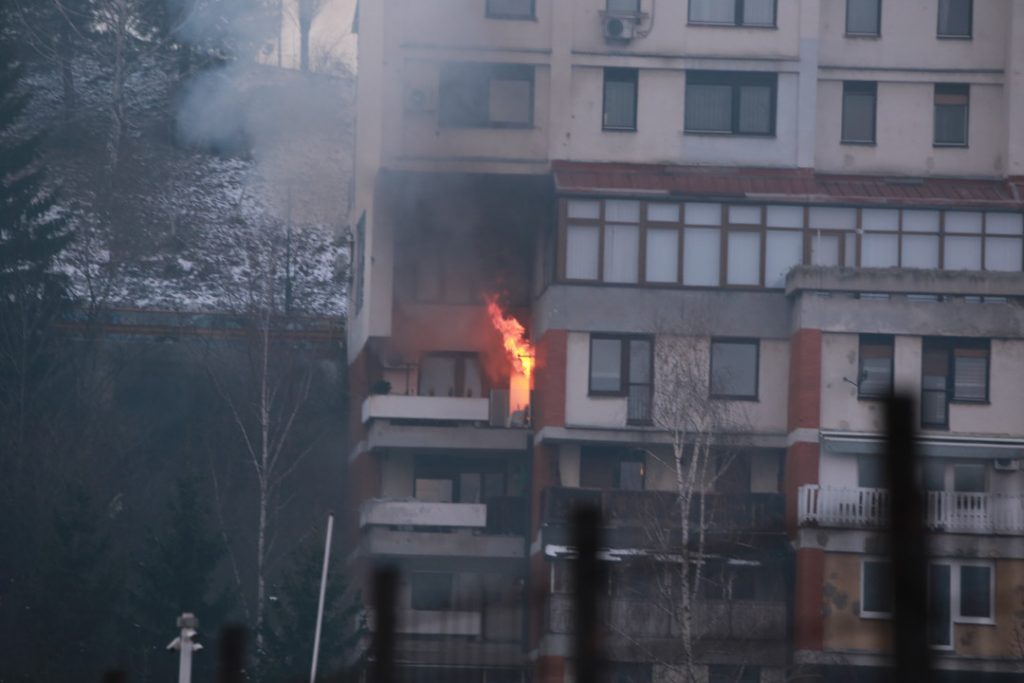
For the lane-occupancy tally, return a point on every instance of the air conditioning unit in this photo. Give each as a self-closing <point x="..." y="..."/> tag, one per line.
<point x="620" y="27"/>
<point x="1005" y="465"/>
<point x="418" y="100"/>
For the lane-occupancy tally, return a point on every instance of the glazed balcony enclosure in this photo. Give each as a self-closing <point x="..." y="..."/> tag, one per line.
<point x="947" y="511"/>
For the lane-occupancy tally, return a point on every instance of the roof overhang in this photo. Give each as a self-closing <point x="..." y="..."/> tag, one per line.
<point x="970" y="447"/>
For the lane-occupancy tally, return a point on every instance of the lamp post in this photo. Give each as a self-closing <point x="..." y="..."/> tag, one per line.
<point x="188" y="623"/>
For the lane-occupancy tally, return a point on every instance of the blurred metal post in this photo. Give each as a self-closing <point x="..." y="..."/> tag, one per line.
<point x="320" y="604"/>
<point x="385" y="587"/>
<point x="908" y="545"/>
<point x="232" y="655"/>
<point x="187" y="624"/>
<point x="586" y="530"/>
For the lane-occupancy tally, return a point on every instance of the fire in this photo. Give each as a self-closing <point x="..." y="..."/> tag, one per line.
<point x="520" y="352"/>
<point x="513" y="335"/>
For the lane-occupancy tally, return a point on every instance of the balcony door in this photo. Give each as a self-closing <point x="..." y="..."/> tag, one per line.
<point x="450" y="374"/>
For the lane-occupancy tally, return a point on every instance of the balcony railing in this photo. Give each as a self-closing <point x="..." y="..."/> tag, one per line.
<point x="426" y="408"/>
<point x="759" y="512"/>
<point x="950" y="511"/>
<point x="499" y="515"/>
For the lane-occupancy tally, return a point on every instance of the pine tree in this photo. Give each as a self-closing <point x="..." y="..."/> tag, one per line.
<point x="176" y="575"/>
<point x="292" y="620"/>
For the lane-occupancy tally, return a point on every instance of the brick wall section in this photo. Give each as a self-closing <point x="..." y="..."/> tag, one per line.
<point x="808" y="626"/>
<point x="805" y="380"/>
<point x="549" y="383"/>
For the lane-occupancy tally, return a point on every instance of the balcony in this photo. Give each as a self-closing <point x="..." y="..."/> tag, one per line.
<point x="947" y="511"/>
<point x="421" y="528"/>
<point x="426" y="408"/>
<point x="643" y="518"/>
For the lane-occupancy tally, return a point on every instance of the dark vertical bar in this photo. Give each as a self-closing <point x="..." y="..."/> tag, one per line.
<point x="232" y="654"/>
<point x="385" y="588"/>
<point x="908" y="545"/>
<point x="115" y="676"/>
<point x="589" y="574"/>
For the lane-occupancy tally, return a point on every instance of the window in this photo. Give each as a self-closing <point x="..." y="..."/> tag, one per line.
<point x="874" y="374"/>
<point x="730" y="103"/>
<point x="875" y="589"/>
<point x="620" y="96"/>
<point x="859" y="112"/>
<point x="622" y="365"/>
<point x="612" y="468"/>
<point x="953" y="370"/>
<point x="734" y="673"/>
<point x="955" y="18"/>
<point x="951" y="108"/>
<point x="450" y="374"/>
<point x="486" y="96"/>
<point x="627" y="6"/>
<point x="871" y="472"/>
<point x="958" y="592"/>
<point x="733" y="12"/>
<point x="863" y="17"/>
<point x="734" y="368"/>
<point x="628" y="672"/>
<point x="431" y="590"/>
<point x="510" y="9"/>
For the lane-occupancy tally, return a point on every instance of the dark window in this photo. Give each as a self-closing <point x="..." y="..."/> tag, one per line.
<point x="940" y="612"/>
<point x="876" y="588"/>
<point x="969" y="478"/>
<point x="450" y="374"/>
<point x="859" y="99"/>
<point x="863" y="17"/>
<point x="630" y="474"/>
<point x="970" y="372"/>
<point x="734" y="673"/>
<point x="952" y="370"/>
<point x="976" y="592"/>
<point x="734" y="368"/>
<point x="729" y="102"/>
<point x="631" y="6"/>
<point x="620" y="97"/>
<point x="623" y="366"/>
<point x="870" y="472"/>
<point x="612" y="468"/>
<point x="510" y="9"/>
<point x="628" y="672"/>
<point x="486" y="96"/>
<point x="732" y="12"/>
<point x="952" y="103"/>
<point x="874" y="375"/>
<point x="431" y="590"/>
<point x="955" y="18"/>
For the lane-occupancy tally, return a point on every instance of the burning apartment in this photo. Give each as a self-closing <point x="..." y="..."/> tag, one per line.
<point x="666" y="258"/>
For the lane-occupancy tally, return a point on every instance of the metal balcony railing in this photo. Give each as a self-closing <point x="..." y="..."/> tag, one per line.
<point x="949" y="511"/>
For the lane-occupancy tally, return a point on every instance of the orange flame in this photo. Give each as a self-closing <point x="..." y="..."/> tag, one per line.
<point x="513" y="335"/>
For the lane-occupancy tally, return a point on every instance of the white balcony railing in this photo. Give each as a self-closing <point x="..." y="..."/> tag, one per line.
<point x="972" y="513"/>
<point x="413" y="513"/>
<point x="441" y="408"/>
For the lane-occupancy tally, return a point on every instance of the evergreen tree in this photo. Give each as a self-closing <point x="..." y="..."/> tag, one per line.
<point x="292" y="620"/>
<point x="176" y="575"/>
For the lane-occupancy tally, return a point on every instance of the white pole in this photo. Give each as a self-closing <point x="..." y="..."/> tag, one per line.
<point x="185" y="658"/>
<point x="320" y="607"/>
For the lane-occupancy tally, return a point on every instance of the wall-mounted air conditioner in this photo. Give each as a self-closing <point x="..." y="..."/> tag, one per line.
<point x="620" y="27"/>
<point x="1005" y="465"/>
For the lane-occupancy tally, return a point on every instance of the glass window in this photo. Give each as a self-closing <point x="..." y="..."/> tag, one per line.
<point x="663" y="213"/>
<point x="955" y="18"/>
<point x="703" y="214"/>
<point x="969" y="479"/>
<point x="744" y="258"/>
<point x="701" y="256"/>
<point x="970" y="374"/>
<point x="745" y="215"/>
<point x="962" y="252"/>
<point x="730" y="102"/>
<point x="870" y="472"/>
<point x="880" y="219"/>
<point x="975" y="592"/>
<point x="832" y="217"/>
<point x="588" y="209"/>
<point x="734" y="368"/>
<point x="858" y="124"/>
<point x="1003" y="254"/>
<point x="964" y="221"/>
<point x="621" y="252"/>
<point x="920" y="251"/>
<point x="879" y="251"/>
<point x="863" y="17"/>
<point x="781" y="216"/>
<point x="783" y="250"/>
<point x="951" y="108"/>
<point x="662" y="255"/>
<point x="431" y="590"/>
<point x="630" y="475"/>
<point x="876" y="588"/>
<point x="1004" y="223"/>
<point x="940" y="612"/>
<point x="510" y="9"/>
<point x="825" y="249"/>
<point x="875" y="371"/>
<point x="582" y="247"/>
<point x="733" y="12"/>
<point x="486" y="95"/>
<point x="620" y="99"/>
<point x="605" y="365"/>
<point x="623" y="6"/>
<point x="734" y="673"/>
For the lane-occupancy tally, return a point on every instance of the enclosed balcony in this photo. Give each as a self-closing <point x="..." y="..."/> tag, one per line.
<point x="947" y="511"/>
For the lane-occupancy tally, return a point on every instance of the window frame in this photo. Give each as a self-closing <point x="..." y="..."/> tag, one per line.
<point x="954" y="36"/>
<point x="447" y="602"/>
<point x="532" y="16"/>
<point x="736" y="80"/>
<point x="950" y="87"/>
<point x="487" y="72"/>
<point x="877" y="340"/>
<point x="756" y="343"/>
<point x="956" y="597"/>
<point x="949" y="346"/>
<point x="859" y="87"/>
<point x="872" y="614"/>
<point x="635" y="80"/>
<point x="738" y="17"/>
<point x="624" y="382"/>
<point x="857" y="34"/>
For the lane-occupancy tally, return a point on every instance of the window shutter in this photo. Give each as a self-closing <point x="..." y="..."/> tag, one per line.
<point x="970" y="375"/>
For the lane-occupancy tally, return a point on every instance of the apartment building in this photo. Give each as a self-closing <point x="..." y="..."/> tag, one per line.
<point x="740" y="221"/>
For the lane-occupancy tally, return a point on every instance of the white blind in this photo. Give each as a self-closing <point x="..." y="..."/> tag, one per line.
<point x="701" y="254"/>
<point x="1003" y="223"/>
<point x="1003" y="253"/>
<point x="581" y="252"/>
<point x="862" y="16"/>
<point x="970" y="378"/>
<point x="824" y="250"/>
<point x="784" y="249"/>
<point x="621" y="252"/>
<point x="584" y="208"/>
<point x="963" y="221"/>
<point x="744" y="258"/>
<point x="880" y="219"/>
<point x="699" y="213"/>
<point x="879" y="251"/>
<point x="858" y="117"/>
<point x="662" y="255"/>
<point x="709" y="107"/>
<point x="758" y="12"/>
<point x="755" y="109"/>
<point x="962" y="253"/>
<point x="619" y="103"/>
<point x="920" y="251"/>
